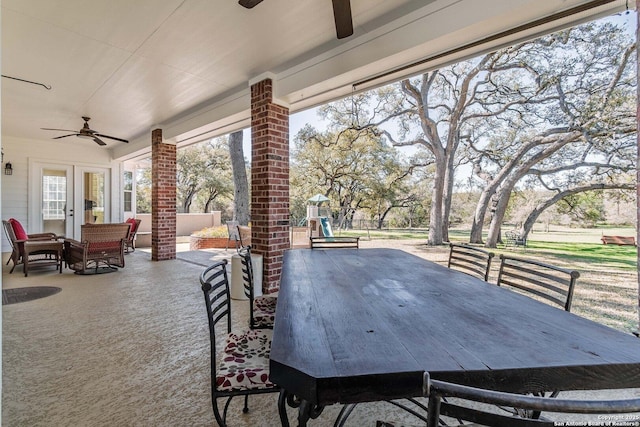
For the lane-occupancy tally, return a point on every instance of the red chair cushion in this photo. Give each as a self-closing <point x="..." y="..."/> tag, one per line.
<point x="132" y="221"/>
<point x="18" y="230"/>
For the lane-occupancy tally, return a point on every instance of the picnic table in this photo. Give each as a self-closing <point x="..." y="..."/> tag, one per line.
<point x="619" y="240"/>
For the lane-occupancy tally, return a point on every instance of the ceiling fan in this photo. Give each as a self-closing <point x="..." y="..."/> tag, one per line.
<point x="87" y="133"/>
<point x="341" y="15"/>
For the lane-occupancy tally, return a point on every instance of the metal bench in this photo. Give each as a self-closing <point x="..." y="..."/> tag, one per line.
<point x="322" y="242"/>
<point x="514" y="239"/>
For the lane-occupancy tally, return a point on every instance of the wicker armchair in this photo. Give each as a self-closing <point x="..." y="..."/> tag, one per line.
<point x="101" y="249"/>
<point x="134" y="226"/>
<point x="20" y="250"/>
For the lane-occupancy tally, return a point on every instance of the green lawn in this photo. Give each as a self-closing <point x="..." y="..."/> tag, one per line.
<point x="618" y="257"/>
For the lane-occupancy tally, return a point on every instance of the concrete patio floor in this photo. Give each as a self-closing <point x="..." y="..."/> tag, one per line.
<point x="129" y="348"/>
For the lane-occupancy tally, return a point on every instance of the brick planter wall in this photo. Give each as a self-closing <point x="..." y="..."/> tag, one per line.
<point x="197" y="243"/>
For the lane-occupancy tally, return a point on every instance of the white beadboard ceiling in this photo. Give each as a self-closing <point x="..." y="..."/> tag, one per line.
<point x="186" y="65"/>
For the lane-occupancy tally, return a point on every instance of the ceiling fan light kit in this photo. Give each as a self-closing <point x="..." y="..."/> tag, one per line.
<point x="86" y="133"/>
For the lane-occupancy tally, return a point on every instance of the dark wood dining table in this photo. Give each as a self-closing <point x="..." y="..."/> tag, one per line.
<point x="358" y="325"/>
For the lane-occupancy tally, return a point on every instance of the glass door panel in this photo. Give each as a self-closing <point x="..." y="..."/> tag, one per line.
<point x="51" y="199"/>
<point x="54" y="201"/>
<point x="94" y="197"/>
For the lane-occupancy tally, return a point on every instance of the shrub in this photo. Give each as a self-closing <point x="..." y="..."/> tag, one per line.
<point x="219" y="231"/>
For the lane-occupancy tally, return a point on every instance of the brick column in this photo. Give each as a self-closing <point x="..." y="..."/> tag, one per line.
<point x="269" y="182"/>
<point x="163" y="198"/>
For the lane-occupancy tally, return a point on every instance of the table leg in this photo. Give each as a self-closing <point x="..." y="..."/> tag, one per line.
<point x="282" y="408"/>
<point x="306" y="409"/>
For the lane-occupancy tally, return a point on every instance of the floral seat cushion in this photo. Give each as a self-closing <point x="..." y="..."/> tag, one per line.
<point x="244" y="363"/>
<point x="264" y="310"/>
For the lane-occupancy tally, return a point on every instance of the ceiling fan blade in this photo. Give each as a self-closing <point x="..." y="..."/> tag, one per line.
<point x="61" y="130"/>
<point x="99" y="141"/>
<point x="110" y="137"/>
<point x="249" y="3"/>
<point x="342" y="17"/>
<point x="64" y="136"/>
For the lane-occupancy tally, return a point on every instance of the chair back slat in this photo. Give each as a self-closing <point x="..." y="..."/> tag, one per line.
<point x="547" y="282"/>
<point x="540" y="279"/>
<point x="247" y="280"/>
<point x="470" y="260"/>
<point x="247" y="271"/>
<point x="466" y="405"/>
<point x="215" y="286"/>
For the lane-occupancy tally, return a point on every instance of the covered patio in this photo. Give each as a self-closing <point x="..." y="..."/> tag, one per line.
<point x="131" y="347"/>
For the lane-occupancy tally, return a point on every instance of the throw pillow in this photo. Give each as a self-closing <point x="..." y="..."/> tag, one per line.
<point x="18" y="229"/>
<point x="132" y="221"/>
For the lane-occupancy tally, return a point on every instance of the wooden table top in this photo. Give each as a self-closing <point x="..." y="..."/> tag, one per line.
<point x="358" y="325"/>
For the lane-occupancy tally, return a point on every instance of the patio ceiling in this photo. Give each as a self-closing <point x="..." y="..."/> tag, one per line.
<point x="185" y="65"/>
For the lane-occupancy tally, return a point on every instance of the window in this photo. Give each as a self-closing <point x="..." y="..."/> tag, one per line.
<point x="128" y="191"/>
<point x="54" y="198"/>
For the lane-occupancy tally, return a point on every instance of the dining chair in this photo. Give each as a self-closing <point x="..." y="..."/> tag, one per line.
<point x="241" y="368"/>
<point x="244" y="235"/>
<point x="470" y="405"/>
<point x="262" y="309"/>
<point x="542" y="281"/>
<point x="470" y="260"/>
<point x="232" y="232"/>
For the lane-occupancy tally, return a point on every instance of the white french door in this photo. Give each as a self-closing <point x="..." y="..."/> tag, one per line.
<point x="63" y="197"/>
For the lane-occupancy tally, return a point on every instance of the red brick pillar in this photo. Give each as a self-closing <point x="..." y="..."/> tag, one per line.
<point x="163" y="198"/>
<point x="269" y="182"/>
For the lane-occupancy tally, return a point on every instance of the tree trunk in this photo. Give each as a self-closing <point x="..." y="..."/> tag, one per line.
<point x="504" y="194"/>
<point x="240" y="182"/>
<point x="447" y="197"/>
<point x="435" y="221"/>
<point x="188" y="199"/>
<point x="478" y="217"/>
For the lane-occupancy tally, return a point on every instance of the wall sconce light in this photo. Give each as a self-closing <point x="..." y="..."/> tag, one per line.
<point x="8" y="169"/>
